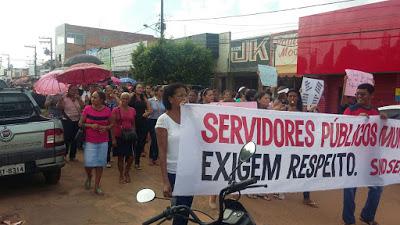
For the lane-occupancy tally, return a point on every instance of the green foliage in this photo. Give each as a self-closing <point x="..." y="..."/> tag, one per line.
<point x="168" y="61"/>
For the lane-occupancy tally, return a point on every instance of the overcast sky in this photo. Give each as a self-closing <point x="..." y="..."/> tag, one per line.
<point x="23" y="21"/>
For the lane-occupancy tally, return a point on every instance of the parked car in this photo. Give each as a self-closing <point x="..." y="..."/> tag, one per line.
<point x="393" y="111"/>
<point x="29" y="143"/>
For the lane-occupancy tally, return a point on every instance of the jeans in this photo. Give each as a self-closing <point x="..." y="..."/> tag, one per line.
<point x="141" y="131"/>
<point x="179" y="200"/>
<point x="151" y="123"/>
<point x="369" y="210"/>
<point x="70" y="130"/>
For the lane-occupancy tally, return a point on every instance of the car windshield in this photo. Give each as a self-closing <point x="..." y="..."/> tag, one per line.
<point x="15" y="106"/>
<point x="392" y="113"/>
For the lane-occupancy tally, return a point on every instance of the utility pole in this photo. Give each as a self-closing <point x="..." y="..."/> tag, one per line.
<point x="162" y="25"/>
<point x="35" y="59"/>
<point x="49" y="40"/>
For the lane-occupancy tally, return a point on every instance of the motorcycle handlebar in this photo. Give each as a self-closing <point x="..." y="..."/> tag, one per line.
<point x="172" y="211"/>
<point x="235" y="187"/>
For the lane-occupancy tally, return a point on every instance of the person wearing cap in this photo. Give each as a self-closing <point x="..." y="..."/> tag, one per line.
<point x="280" y="103"/>
<point x="240" y="96"/>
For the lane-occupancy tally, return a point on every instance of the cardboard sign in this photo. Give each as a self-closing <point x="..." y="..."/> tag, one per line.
<point x="268" y="75"/>
<point x="295" y="151"/>
<point x="311" y="91"/>
<point x="250" y="105"/>
<point x="355" y="78"/>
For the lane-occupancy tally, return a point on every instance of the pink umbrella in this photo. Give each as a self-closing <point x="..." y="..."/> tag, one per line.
<point x="115" y="80"/>
<point x="48" y="85"/>
<point x="84" y="73"/>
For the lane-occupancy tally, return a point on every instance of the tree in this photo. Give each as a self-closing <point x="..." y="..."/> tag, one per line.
<point x="168" y="61"/>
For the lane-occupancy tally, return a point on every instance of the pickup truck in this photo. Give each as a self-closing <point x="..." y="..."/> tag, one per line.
<point x="29" y="142"/>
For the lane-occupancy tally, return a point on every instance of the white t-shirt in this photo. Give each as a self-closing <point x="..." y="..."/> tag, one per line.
<point x="173" y="130"/>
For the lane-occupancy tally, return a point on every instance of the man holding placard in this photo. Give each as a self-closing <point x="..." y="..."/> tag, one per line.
<point x="363" y="107"/>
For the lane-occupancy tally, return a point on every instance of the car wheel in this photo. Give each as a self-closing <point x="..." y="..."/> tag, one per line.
<point x="52" y="176"/>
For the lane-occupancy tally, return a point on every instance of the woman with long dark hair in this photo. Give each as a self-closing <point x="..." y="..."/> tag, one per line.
<point x="139" y="102"/>
<point x="296" y="105"/>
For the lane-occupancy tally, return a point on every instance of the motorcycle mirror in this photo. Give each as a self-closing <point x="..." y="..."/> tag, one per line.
<point x="247" y="151"/>
<point x="145" y="195"/>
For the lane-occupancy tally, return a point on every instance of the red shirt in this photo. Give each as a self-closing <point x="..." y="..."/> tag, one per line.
<point x="355" y="110"/>
<point x="123" y="119"/>
<point x="96" y="117"/>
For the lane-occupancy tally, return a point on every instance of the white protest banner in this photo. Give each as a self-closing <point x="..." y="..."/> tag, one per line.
<point x="295" y="151"/>
<point x="311" y="91"/>
<point x="251" y="105"/>
<point x="268" y="75"/>
<point x="355" y="78"/>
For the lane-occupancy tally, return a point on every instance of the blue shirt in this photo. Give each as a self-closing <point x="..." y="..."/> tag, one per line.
<point x="158" y="108"/>
<point x="111" y="103"/>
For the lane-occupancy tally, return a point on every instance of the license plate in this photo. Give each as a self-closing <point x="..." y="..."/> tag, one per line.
<point x="12" y="169"/>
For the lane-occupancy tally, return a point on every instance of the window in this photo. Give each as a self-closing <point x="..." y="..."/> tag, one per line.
<point x="392" y="113"/>
<point x="70" y="40"/>
<point x="13" y="105"/>
<point x="74" y="38"/>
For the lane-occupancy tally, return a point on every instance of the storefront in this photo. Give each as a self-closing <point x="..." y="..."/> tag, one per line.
<point x="284" y="58"/>
<point x="245" y="56"/>
<point x="365" y="38"/>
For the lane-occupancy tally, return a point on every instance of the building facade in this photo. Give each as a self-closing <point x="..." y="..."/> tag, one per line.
<point x="117" y="59"/>
<point x="245" y="56"/>
<point x="71" y="40"/>
<point x="365" y="38"/>
<point x="284" y="58"/>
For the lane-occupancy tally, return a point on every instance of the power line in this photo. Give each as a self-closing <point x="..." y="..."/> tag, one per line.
<point x="248" y="25"/>
<point x="259" y="13"/>
<point x="367" y="18"/>
<point x="227" y="41"/>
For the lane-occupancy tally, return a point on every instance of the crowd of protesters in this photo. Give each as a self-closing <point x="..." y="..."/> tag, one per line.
<point x="119" y="120"/>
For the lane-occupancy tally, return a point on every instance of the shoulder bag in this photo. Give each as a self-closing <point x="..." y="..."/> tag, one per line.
<point x="127" y="135"/>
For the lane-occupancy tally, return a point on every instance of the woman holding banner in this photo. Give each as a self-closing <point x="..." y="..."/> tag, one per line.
<point x="168" y="134"/>
<point x="263" y="102"/>
<point x="207" y="96"/>
<point x="295" y="105"/>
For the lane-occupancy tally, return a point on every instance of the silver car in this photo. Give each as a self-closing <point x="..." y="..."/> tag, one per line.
<point x="393" y="111"/>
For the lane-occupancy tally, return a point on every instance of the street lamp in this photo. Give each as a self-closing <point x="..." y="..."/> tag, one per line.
<point x="147" y="26"/>
<point x="35" y="58"/>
